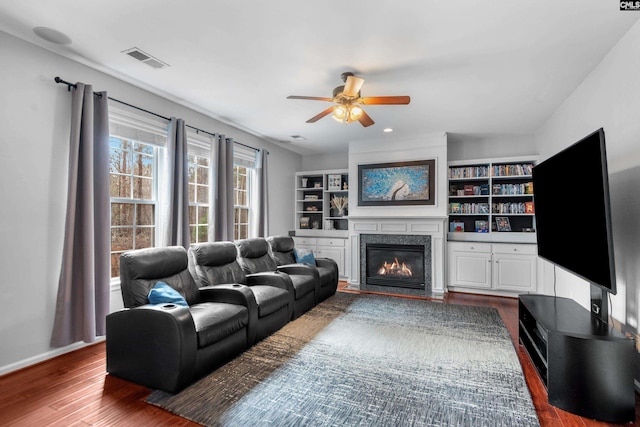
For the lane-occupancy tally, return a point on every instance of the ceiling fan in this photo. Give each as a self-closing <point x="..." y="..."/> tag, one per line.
<point x="349" y="102"/>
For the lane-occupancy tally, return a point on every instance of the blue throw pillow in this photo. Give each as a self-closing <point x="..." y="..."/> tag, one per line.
<point x="305" y="256"/>
<point x="162" y="293"/>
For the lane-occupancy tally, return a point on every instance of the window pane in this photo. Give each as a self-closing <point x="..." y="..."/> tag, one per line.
<point x="241" y="198"/>
<point x="202" y="233"/>
<point x="191" y="173"/>
<point x="192" y="193"/>
<point x="115" y="142"/>
<point x="119" y="161"/>
<point x="144" y="237"/>
<point x="120" y="186"/>
<point x="143" y="165"/>
<point x="115" y="264"/>
<point x="143" y="188"/>
<point x="192" y="215"/>
<point x="203" y="175"/>
<point x="193" y="230"/>
<point x="121" y="239"/>
<point x="244" y="216"/>
<point x="203" y="215"/>
<point x="203" y="161"/>
<point x="143" y="148"/>
<point x="243" y="231"/>
<point x="203" y="194"/>
<point x="145" y="215"/>
<point x="121" y="214"/>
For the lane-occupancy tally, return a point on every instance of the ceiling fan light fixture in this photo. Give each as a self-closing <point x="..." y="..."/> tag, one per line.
<point x="355" y="112"/>
<point x="340" y="113"/>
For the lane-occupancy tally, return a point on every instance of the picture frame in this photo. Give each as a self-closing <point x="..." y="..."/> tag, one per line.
<point x="482" y="226"/>
<point x="502" y="223"/>
<point x="397" y="183"/>
<point x="334" y="182"/>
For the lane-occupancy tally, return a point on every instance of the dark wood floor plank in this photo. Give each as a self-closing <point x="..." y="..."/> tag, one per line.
<point x="74" y="389"/>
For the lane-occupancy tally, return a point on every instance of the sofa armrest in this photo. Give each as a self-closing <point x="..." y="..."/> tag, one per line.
<point x="299" y="268"/>
<point x="231" y="293"/>
<point x="152" y="345"/>
<point x="271" y="278"/>
<point x="326" y="262"/>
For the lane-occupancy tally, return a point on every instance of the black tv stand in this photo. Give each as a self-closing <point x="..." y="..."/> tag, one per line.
<point x="585" y="364"/>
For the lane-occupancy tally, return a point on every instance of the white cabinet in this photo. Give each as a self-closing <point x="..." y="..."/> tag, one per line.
<point x="324" y="247"/>
<point x="501" y="268"/>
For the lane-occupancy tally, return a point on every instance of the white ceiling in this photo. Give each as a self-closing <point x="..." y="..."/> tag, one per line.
<point x="470" y="67"/>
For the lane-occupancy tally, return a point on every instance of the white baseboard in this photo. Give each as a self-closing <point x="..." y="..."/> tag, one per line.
<point x="44" y="356"/>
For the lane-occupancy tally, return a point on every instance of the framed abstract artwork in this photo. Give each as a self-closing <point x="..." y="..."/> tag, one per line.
<point x="397" y="183"/>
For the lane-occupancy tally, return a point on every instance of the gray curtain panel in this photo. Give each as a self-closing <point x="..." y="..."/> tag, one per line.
<point x="177" y="186"/>
<point x="83" y="288"/>
<point x="262" y="208"/>
<point x="221" y="213"/>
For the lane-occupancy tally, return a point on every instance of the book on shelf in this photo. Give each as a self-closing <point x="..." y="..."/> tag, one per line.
<point x="454" y="207"/>
<point x="529" y="207"/>
<point x="456" y="226"/>
<point x="468" y="190"/>
<point x="484" y="189"/>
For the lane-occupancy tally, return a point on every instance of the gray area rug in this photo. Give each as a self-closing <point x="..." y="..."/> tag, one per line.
<point x="369" y="360"/>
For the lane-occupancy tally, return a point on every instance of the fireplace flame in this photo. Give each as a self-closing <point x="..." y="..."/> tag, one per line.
<point x="395" y="269"/>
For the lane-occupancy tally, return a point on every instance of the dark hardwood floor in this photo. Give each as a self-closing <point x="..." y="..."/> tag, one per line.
<point x="74" y="389"/>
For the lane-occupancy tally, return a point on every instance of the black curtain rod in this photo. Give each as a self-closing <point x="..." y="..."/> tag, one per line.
<point x="73" y="85"/>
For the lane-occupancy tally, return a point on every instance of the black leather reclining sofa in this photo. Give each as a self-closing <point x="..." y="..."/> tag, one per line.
<point x="234" y="294"/>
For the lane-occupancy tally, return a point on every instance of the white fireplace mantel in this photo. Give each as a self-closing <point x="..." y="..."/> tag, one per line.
<point x="428" y="226"/>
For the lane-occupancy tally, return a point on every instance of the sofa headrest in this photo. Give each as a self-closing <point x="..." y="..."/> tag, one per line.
<point x="252" y="248"/>
<point x="154" y="263"/>
<point x="281" y="243"/>
<point x="141" y="269"/>
<point x="213" y="254"/>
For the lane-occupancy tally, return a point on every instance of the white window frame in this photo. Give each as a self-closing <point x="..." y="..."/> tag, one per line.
<point x="132" y="126"/>
<point x="200" y="146"/>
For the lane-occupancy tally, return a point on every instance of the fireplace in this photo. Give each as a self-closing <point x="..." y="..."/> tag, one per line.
<point x="402" y="261"/>
<point x="395" y="265"/>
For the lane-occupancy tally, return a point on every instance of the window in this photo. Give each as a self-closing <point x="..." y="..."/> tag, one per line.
<point x="136" y="148"/>
<point x="198" y="167"/>
<point x="241" y="210"/>
<point x="133" y="190"/>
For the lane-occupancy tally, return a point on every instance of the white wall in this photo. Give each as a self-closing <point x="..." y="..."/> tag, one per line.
<point x="610" y="98"/>
<point x="488" y="146"/>
<point x="337" y="160"/>
<point x="33" y="175"/>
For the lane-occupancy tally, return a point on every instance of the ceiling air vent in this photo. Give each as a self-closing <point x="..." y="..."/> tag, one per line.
<point x="142" y="56"/>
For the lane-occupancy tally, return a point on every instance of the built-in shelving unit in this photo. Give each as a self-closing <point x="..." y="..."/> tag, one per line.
<point x="315" y="214"/>
<point x="493" y="196"/>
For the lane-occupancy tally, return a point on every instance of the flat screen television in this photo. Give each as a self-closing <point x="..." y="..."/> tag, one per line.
<point x="573" y="212"/>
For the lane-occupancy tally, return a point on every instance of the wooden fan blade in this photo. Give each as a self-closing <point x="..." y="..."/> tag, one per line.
<point x="352" y="86"/>
<point x="312" y="98"/>
<point x="389" y="100"/>
<point x="365" y="120"/>
<point x="321" y="115"/>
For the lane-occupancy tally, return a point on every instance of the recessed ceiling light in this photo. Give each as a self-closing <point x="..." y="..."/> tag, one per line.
<point x="51" y="35"/>
<point x="387" y="130"/>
